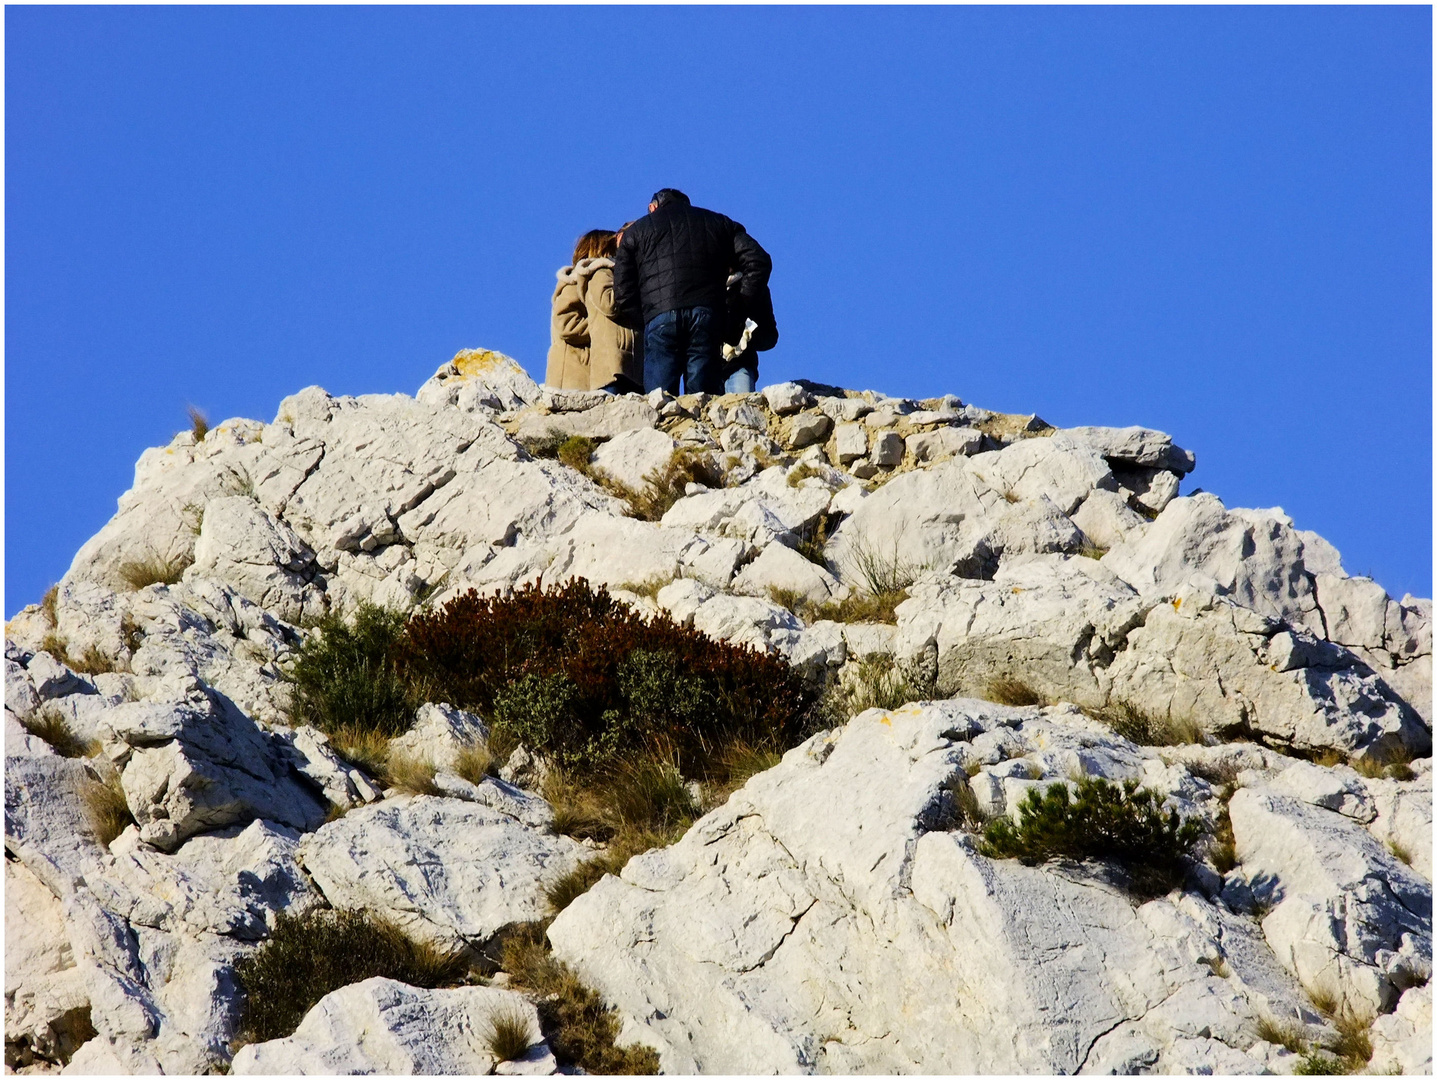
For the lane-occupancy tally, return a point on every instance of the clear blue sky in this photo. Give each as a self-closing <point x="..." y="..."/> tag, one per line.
<point x="1211" y="220"/>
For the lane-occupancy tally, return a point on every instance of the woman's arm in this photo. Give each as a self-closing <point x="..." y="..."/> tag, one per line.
<point x="571" y="317"/>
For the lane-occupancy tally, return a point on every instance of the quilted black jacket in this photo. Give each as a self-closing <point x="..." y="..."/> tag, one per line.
<point x="680" y="256"/>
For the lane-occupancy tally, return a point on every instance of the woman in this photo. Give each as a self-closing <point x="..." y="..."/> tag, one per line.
<point x="588" y="350"/>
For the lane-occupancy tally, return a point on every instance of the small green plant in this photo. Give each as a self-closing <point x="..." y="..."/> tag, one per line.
<point x="475" y="762"/>
<point x="310" y="955"/>
<point x="1396" y="766"/>
<point x="508" y="1034"/>
<point x="879" y="682"/>
<point x="199" y="423"/>
<point x="344" y="681"/>
<point x="1400" y="852"/>
<point x="881" y="572"/>
<point x="792" y="599"/>
<point x="863" y="607"/>
<point x="650" y="587"/>
<point x="801" y="472"/>
<point x="47" y="604"/>
<point x="580" y="1028"/>
<point x="50" y="725"/>
<point x="1145" y="729"/>
<point x="1006" y="691"/>
<point x="1123" y="825"/>
<point x="575" y="452"/>
<point x="105" y="806"/>
<point x="153" y="569"/>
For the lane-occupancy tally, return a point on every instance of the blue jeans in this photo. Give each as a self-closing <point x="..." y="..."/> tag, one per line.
<point x="684" y="342"/>
<point x="741" y="378"/>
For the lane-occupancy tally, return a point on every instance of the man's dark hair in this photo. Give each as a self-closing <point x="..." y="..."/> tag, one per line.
<point x="664" y="196"/>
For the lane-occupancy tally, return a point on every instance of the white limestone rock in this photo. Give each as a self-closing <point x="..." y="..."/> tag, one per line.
<point x="619" y="552"/>
<point x="631" y="456"/>
<point x="1107" y="520"/>
<point x="1254" y="557"/>
<point x="1402" y="1040"/>
<point x="887" y="449"/>
<point x="194" y="767"/>
<point x="781" y="568"/>
<point x="1133" y="446"/>
<point x="385" y="1027"/>
<point x="480" y="378"/>
<point x="822" y="921"/>
<point x="46" y="1003"/>
<point x="448" y="871"/>
<point x="261" y="558"/>
<point x="1403" y="819"/>
<point x="1031" y="468"/>
<point x="944" y="442"/>
<point x="1349" y="920"/>
<point x="786" y="397"/>
<point x="747" y="620"/>
<point x="850" y="442"/>
<point x="439" y="735"/>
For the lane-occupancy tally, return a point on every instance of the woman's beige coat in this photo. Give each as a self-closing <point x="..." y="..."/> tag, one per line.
<point x="588" y="349"/>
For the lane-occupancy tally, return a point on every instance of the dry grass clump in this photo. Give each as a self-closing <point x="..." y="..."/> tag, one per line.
<point x="1400" y="852"/>
<point x="199" y="423"/>
<point x="1284" y="1033"/>
<point x="1396" y="766"/>
<point x="364" y="747"/>
<point x="1222" y="845"/>
<point x="664" y="487"/>
<point x="1015" y="692"/>
<point x="412" y="776"/>
<point x="863" y="607"/>
<point x="880" y="682"/>
<point x="1349" y="1052"/>
<point x="543" y="446"/>
<point x="47" y="603"/>
<point x="50" y="725"/>
<point x="475" y="762"/>
<point x="153" y="569"/>
<point x="310" y="955"/>
<point x="636" y="807"/>
<point x="650" y="587"/>
<point x="106" y="808"/>
<point x="580" y="1028"/>
<point x="1145" y="729"/>
<point x="801" y="472"/>
<point x="508" y="1034"/>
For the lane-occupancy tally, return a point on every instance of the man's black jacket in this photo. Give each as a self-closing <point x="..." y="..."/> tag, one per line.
<point x="680" y="256"/>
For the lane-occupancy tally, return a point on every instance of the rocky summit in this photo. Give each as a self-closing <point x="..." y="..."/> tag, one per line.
<point x="1029" y="611"/>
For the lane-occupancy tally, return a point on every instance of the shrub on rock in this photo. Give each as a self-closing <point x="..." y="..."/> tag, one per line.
<point x="1103" y="821"/>
<point x="310" y="955"/>
<point x="344" y="679"/>
<point x="587" y="680"/>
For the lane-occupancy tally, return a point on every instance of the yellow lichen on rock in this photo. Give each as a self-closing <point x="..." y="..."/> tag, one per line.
<point x="479" y="361"/>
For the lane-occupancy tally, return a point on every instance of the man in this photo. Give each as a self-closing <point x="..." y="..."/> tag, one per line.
<point x="670" y="279"/>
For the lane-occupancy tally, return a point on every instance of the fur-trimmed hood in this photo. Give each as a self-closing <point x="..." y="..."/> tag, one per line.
<point x="583" y="269"/>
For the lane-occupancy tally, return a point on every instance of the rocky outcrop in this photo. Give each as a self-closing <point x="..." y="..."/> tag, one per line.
<point x="823" y="919"/>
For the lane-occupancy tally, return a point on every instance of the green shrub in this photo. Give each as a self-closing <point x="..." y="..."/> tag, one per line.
<point x="344" y="679"/>
<point x="587" y="680"/>
<point x="575" y="452"/>
<point x="579" y="1027"/>
<point x="1123" y="825"/>
<point x="308" y="956"/>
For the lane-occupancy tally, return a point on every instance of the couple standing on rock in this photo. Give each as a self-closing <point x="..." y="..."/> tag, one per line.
<point x="681" y="293"/>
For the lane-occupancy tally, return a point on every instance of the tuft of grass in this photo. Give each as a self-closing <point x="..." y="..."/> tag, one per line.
<point x="575" y="452"/>
<point x="199" y="423"/>
<point x="813" y="538"/>
<point x="364" y="747"/>
<point x="650" y="587"/>
<point x="883" y="573"/>
<point x="108" y="812"/>
<point x="863" y="607"/>
<point x="879" y="682"/>
<point x="1400" y="852"/>
<point x="1119" y="824"/>
<point x="801" y="472"/>
<point x="310" y="955"/>
<point x="580" y="1028"/>
<point x="508" y="1034"/>
<point x="1006" y="691"/>
<point x="543" y="446"/>
<point x="795" y="600"/>
<point x="1396" y="766"/>
<point x="1222" y="846"/>
<point x="412" y="776"/>
<point x="1145" y="729"/>
<point x="665" y="486"/>
<point x="47" y="604"/>
<point x="475" y="762"/>
<point x="92" y="662"/>
<point x="1284" y="1033"/>
<point x="57" y="646"/>
<point x="1328" y="759"/>
<point x="51" y="726"/>
<point x="153" y="569"/>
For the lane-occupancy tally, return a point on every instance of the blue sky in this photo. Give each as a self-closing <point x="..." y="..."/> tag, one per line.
<point x="1213" y="220"/>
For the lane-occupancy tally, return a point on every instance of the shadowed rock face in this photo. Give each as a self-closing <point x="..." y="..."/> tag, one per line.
<point x="835" y="914"/>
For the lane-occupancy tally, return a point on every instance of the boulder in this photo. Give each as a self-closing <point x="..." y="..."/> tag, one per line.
<point x="631" y="456"/>
<point x="786" y="397"/>
<point x="806" y="429"/>
<point x="480" y="377"/>
<point x="824" y="920"/>
<point x="781" y="568"/>
<point x="47" y="1005"/>
<point x="1349" y="920"/>
<point x="944" y="442"/>
<point x="448" y="871"/>
<point x="262" y="558"/>
<point x="1402" y="1040"/>
<point x="439" y="735"/>
<point x="850" y="442"/>
<point x="385" y="1027"/>
<point x="1132" y="446"/>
